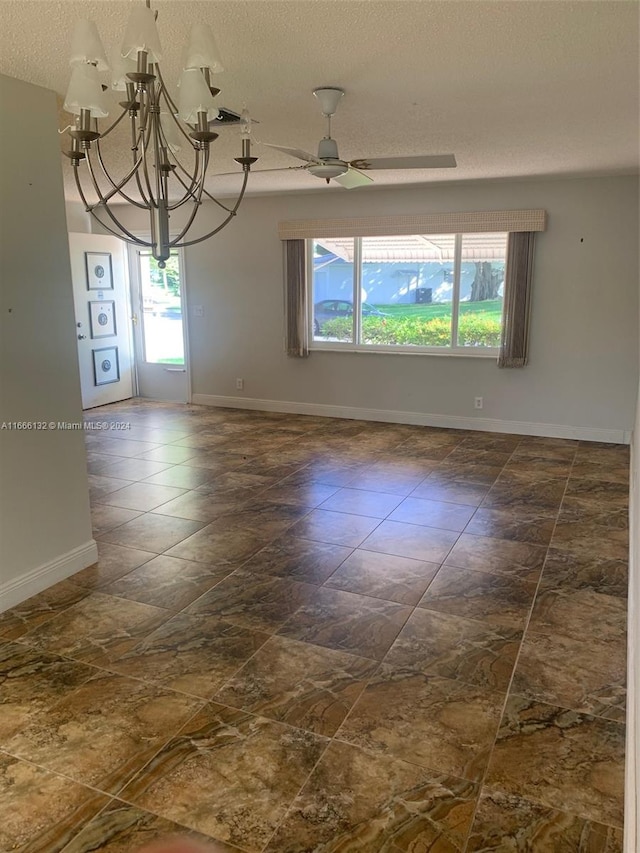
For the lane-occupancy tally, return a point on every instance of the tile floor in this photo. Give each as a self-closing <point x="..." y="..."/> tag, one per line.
<point x="313" y="634"/>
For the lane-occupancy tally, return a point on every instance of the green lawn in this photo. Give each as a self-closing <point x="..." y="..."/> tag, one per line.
<point x="489" y="308"/>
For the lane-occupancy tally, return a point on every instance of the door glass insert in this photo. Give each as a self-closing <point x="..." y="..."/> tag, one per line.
<point x="160" y="291"/>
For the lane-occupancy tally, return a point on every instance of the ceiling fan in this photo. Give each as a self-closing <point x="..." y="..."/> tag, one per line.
<point x="351" y="174"/>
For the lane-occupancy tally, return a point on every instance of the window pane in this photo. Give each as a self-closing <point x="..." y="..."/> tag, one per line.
<point x="407" y="290"/>
<point x="333" y="290"/>
<point x="161" y="310"/>
<point x="481" y="289"/>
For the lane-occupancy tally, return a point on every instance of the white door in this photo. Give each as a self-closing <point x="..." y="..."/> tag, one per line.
<point x="159" y="331"/>
<point x="103" y="327"/>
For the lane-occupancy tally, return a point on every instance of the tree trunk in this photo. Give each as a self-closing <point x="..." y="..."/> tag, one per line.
<point x="485" y="283"/>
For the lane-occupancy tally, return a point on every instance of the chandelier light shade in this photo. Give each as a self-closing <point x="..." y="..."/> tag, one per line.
<point x="157" y="180"/>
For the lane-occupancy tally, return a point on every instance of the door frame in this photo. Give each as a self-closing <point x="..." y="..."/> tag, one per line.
<point x="132" y="261"/>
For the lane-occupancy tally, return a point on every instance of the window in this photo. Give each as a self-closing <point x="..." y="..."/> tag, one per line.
<point x="409" y="293"/>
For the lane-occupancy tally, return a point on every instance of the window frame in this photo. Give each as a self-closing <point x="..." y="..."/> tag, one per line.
<point x="456" y="351"/>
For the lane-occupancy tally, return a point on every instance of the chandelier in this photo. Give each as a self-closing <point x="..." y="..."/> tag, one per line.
<point x="157" y="181"/>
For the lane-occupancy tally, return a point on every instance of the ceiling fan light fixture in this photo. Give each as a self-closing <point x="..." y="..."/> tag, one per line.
<point x="328" y="170"/>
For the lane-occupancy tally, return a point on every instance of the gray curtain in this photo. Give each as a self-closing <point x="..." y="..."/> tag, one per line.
<point x="514" y="345"/>
<point x="295" y="282"/>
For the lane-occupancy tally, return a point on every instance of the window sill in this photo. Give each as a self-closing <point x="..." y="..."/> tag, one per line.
<point x="459" y="352"/>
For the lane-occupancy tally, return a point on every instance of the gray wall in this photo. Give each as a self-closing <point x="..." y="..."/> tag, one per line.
<point x="584" y="334"/>
<point x="44" y="507"/>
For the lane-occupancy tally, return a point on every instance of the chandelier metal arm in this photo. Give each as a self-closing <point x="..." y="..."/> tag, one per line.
<point x="92" y="210"/>
<point x="115" y="123"/>
<point x="156" y="175"/>
<point x="197" y="200"/>
<point x="135" y="152"/>
<point x="189" y="190"/>
<point x="135" y="241"/>
<point x="145" y="134"/>
<point x="232" y="213"/>
<point x="103" y="198"/>
<point x="117" y="188"/>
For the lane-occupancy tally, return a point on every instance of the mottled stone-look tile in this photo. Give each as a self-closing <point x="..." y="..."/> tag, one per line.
<point x="305" y="494"/>
<point x="534" y="525"/>
<point x="254" y="601"/>
<point x="228" y="774"/>
<point x="123" y="828"/>
<point x="362" y="502"/>
<point x="346" y="622"/>
<point x="472" y="472"/>
<point x="114" y="561"/>
<point x="497" y="556"/>
<point x="411" y="540"/>
<point x="31" y="681"/>
<point x="336" y="528"/>
<point x="192" y="654"/>
<point x="358" y="801"/>
<point x="167" y="582"/>
<point x="561" y="759"/>
<point x="100" y="487"/>
<point x="439" y="723"/>
<point x="441" y="644"/>
<point x="580" y="614"/>
<point x="105" y="518"/>
<point x="102" y="733"/>
<point x="152" y="532"/>
<point x="534" y="461"/>
<point x="298" y="559"/>
<point x="181" y="476"/>
<point x="614" y="470"/>
<point x="298" y="683"/>
<point x="97" y="629"/>
<point x="438" y="488"/>
<point x="497" y="599"/>
<point x="135" y="469"/>
<point x="142" y="496"/>
<point x="39" y="608"/>
<point x="220" y="541"/>
<point x="395" y="478"/>
<point x="385" y="576"/>
<point x="566" y="570"/>
<point x="584" y="674"/>
<point x="518" y="489"/>
<point x="39" y="810"/>
<point x="505" y="822"/>
<point x="585" y="491"/>
<point x="440" y="514"/>
<point x="602" y="533"/>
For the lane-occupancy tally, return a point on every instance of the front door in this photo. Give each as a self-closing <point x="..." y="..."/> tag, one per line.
<point x="157" y="298"/>
<point x="101" y="300"/>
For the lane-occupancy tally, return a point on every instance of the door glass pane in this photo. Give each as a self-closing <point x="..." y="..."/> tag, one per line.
<point x="407" y="290"/>
<point x="481" y="289"/>
<point x="161" y="310"/>
<point x="333" y="290"/>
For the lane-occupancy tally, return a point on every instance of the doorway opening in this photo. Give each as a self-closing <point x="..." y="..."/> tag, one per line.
<point x="159" y="328"/>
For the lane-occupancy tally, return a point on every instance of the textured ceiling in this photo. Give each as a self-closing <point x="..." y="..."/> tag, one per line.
<point x="513" y="89"/>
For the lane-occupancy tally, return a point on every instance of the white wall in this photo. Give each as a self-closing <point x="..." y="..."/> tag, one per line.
<point x="45" y="530"/>
<point x="584" y="338"/>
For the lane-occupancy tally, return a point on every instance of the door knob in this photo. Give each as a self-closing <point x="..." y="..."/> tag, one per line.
<point x="81" y="337"/>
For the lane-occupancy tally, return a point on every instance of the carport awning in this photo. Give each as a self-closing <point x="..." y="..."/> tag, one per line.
<point x="419" y="248"/>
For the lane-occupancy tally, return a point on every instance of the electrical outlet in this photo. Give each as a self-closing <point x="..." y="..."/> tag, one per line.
<point x="239" y="384"/>
<point x="478" y="402"/>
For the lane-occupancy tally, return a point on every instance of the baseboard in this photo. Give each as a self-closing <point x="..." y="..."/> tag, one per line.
<point x="610" y="436"/>
<point x="36" y="580"/>
<point x="632" y="775"/>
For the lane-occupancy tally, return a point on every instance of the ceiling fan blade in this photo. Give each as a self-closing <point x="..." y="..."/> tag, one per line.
<point x="352" y="178"/>
<point x="429" y="161"/>
<point x="298" y="153"/>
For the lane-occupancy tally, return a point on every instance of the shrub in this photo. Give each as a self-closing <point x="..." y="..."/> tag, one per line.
<point x="473" y="330"/>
